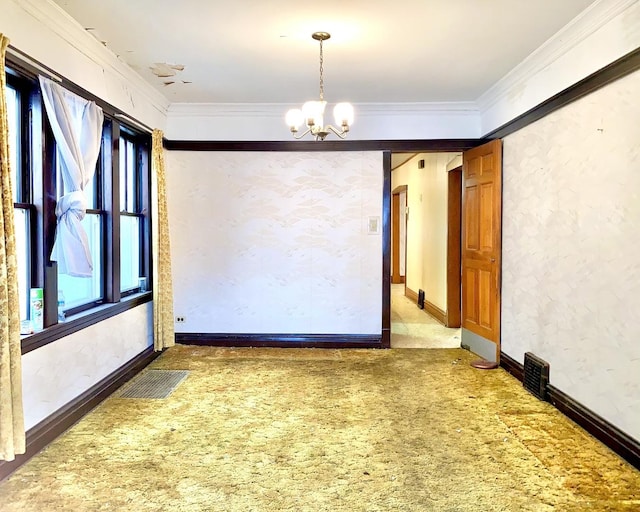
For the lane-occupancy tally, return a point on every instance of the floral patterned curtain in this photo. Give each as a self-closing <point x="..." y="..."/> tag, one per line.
<point x="163" y="332"/>
<point x="12" y="435"/>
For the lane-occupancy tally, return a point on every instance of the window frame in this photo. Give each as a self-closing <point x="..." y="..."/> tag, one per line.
<point x="140" y="178"/>
<point x="37" y="155"/>
<point x="24" y="157"/>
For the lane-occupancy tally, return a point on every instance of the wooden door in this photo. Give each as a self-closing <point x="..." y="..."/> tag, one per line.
<point x="481" y="241"/>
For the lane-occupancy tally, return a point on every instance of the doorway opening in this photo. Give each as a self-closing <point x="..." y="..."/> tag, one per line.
<point x="425" y="249"/>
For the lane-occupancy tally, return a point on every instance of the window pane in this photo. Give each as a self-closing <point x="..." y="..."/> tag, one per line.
<point x="131" y="175"/>
<point x="123" y="174"/>
<point x="127" y="176"/>
<point x="83" y="290"/>
<point x="21" y="219"/>
<point x="129" y="252"/>
<point x="14" y="140"/>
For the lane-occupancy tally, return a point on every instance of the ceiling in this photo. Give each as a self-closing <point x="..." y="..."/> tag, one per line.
<point x="397" y="159"/>
<point x="256" y="51"/>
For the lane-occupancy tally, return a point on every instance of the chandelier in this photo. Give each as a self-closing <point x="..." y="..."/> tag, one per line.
<point x="312" y="113"/>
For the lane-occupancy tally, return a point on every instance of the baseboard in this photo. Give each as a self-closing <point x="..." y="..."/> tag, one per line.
<point x="57" y="423"/>
<point x="429" y="307"/>
<point x="435" y="312"/>
<point x="621" y="443"/>
<point x="411" y="295"/>
<point x="512" y="366"/>
<point x="280" y="340"/>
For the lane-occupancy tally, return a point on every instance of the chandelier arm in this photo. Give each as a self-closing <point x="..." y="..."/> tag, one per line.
<point x="297" y="137"/>
<point x="342" y="133"/>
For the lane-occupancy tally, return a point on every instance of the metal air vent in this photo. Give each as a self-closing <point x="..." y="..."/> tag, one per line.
<point x="536" y="375"/>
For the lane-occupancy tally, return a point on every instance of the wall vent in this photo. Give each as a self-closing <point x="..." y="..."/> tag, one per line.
<point x="421" y="299"/>
<point x="536" y="375"/>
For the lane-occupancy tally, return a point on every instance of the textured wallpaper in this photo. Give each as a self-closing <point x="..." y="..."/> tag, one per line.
<point x="571" y="249"/>
<point x="57" y="373"/>
<point x="274" y="242"/>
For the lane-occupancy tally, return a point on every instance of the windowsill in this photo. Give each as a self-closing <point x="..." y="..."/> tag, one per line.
<point x="81" y="321"/>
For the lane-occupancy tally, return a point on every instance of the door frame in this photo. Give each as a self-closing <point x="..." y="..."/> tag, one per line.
<point x="451" y="317"/>
<point x="396" y="217"/>
<point x="454" y="247"/>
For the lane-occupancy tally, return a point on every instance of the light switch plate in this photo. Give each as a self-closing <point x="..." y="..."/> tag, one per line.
<point x="373" y="226"/>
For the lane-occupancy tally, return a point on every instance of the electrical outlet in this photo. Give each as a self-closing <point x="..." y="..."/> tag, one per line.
<point x="180" y="319"/>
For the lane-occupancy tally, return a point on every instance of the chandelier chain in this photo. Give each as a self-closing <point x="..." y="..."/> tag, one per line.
<point x="321" y="73"/>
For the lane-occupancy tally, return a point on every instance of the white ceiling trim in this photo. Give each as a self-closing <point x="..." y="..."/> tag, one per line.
<point x="467" y="108"/>
<point x="464" y="108"/>
<point x="585" y="24"/>
<point x="250" y="121"/>
<point x="227" y="109"/>
<point x="68" y="29"/>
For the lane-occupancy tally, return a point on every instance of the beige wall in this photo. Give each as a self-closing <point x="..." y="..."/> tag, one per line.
<point x="276" y="242"/>
<point x="426" y="224"/>
<point x="571" y="265"/>
<point x="58" y="372"/>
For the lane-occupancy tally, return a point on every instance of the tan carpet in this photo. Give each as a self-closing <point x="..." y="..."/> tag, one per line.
<point x="326" y="430"/>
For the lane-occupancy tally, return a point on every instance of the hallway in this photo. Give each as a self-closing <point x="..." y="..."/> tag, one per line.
<point x="412" y="327"/>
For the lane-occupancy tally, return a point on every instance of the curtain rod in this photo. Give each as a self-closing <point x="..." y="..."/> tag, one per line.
<point x="124" y="117"/>
<point x="12" y="50"/>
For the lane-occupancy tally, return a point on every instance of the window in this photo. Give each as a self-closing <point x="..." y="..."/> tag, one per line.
<point x="13" y="114"/>
<point x="17" y="101"/>
<point x="116" y="220"/>
<point x="131" y="215"/>
<point x="82" y="293"/>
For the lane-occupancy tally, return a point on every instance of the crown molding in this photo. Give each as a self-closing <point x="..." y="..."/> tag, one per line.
<point x="69" y="30"/>
<point x="577" y="30"/>
<point x="227" y="109"/>
<point x="467" y="108"/>
<point x="463" y="108"/>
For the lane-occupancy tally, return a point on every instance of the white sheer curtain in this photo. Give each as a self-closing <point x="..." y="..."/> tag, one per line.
<point x="77" y="127"/>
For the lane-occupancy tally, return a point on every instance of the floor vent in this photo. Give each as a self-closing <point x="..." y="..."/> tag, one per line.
<point x="154" y="384"/>
<point x="421" y="299"/>
<point x="536" y="375"/>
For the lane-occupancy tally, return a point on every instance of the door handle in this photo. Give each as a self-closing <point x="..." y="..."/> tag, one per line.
<point x="493" y="260"/>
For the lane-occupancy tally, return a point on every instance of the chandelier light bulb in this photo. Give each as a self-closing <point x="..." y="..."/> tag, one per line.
<point x="343" y="114"/>
<point x="314" y="112"/>
<point x="294" y="119"/>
